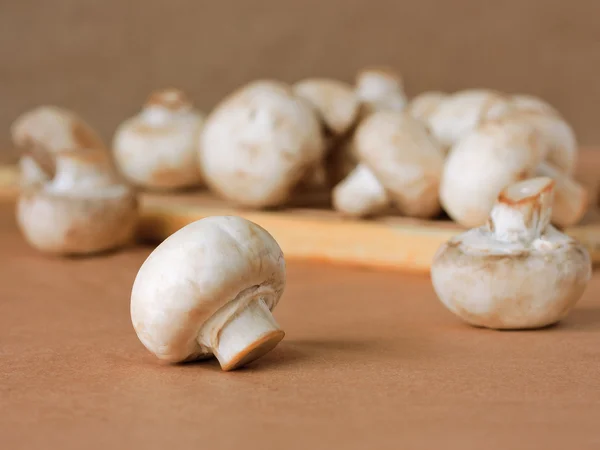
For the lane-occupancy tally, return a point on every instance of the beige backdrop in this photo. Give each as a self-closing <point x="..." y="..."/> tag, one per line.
<point x="102" y="58"/>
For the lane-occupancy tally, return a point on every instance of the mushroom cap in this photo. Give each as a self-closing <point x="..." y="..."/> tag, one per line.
<point x="157" y="148"/>
<point x="335" y="102"/>
<point x="556" y="134"/>
<point x="258" y="143"/>
<point x="501" y="286"/>
<point x="77" y="223"/>
<point x="195" y="272"/>
<point x="423" y="105"/>
<point x="380" y="88"/>
<point x="405" y="159"/>
<point x="56" y="128"/>
<point x="84" y="209"/>
<point x="460" y="113"/>
<point x="530" y="103"/>
<point x="481" y="164"/>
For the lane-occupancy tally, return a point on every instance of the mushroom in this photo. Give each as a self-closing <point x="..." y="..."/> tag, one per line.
<point x="571" y="199"/>
<point x="156" y="149"/>
<point x="259" y="143"/>
<point x="485" y="161"/>
<point x="516" y="272"/>
<point x="498" y="153"/>
<point x="424" y="105"/>
<point x="380" y="89"/>
<point x="209" y="289"/>
<point x="377" y="89"/>
<point x="557" y="134"/>
<point x="460" y="113"/>
<point x="56" y="129"/>
<point x="82" y="209"/>
<point x="338" y="108"/>
<point x="530" y="103"/>
<point x="334" y="101"/>
<point x="403" y="158"/>
<point x="360" y="194"/>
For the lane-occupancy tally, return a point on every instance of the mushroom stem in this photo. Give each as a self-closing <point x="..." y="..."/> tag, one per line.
<point x="81" y="169"/>
<point x="522" y="211"/>
<point x="360" y="193"/>
<point x="241" y="332"/>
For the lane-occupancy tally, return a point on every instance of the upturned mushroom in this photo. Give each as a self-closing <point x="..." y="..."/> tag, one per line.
<point x="406" y="165"/>
<point x="459" y="114"/>
<point x="209" y="289"/>
<point x="55" y="128"/>
<point x="259" y="143"/>
<point x="517" y="271"/>
<point x="156" y="148"/>
<point x="83" y="209"/>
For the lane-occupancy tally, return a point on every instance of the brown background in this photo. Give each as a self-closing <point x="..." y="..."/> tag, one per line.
<point x="103" y="57"/>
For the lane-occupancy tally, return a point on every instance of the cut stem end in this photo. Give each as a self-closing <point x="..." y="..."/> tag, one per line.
<point x="251" y="333"/>
<point x="523" y="210"/>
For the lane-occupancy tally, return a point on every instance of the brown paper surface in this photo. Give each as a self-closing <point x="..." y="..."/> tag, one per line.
<point x="371" y="360"/>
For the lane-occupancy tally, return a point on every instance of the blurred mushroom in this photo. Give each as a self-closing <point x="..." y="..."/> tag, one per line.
<point x="459" y="114"/>
<point x="405" y="160"/>
<point x="83" y="209"/>
<point x="337" y="107"/>
<point x="424" y="105"/>
<point x="57" y="129"/>
<point x="157" y="148"/>
<point x="380" y="89"/>
<point x="483" y="163"/>
<point x="259" y="143"/>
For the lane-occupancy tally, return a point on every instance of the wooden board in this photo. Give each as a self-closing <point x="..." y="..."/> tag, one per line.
<point x="309" y="229"/>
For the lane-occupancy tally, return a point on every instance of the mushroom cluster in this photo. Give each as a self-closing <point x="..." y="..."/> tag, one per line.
<point x="501" y="165"/>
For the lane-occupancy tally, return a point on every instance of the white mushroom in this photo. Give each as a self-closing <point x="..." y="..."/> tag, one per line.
<point x="459" y="114"/>
<point x="556" y="134"/>
<point x="209" y="289"/>
<point x="55" y="128"/>
<point x="83" y="209"/>
<point x="380" y="89"/>
<point x="377" y="89"/>
<point x="405" y="160"/>
<point x="530" y="103"/>
<point x="338" y="109"/>
<point x="360" y="194"/>
<point x="516" y="272"/>
<point x="483" y="163"/>
<point x="571" y="199"/>
<point x="258" y="144"/>
<point x="334" y="101"/>
<point x="425" y="104"/>
<point x="157" y="148"/>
